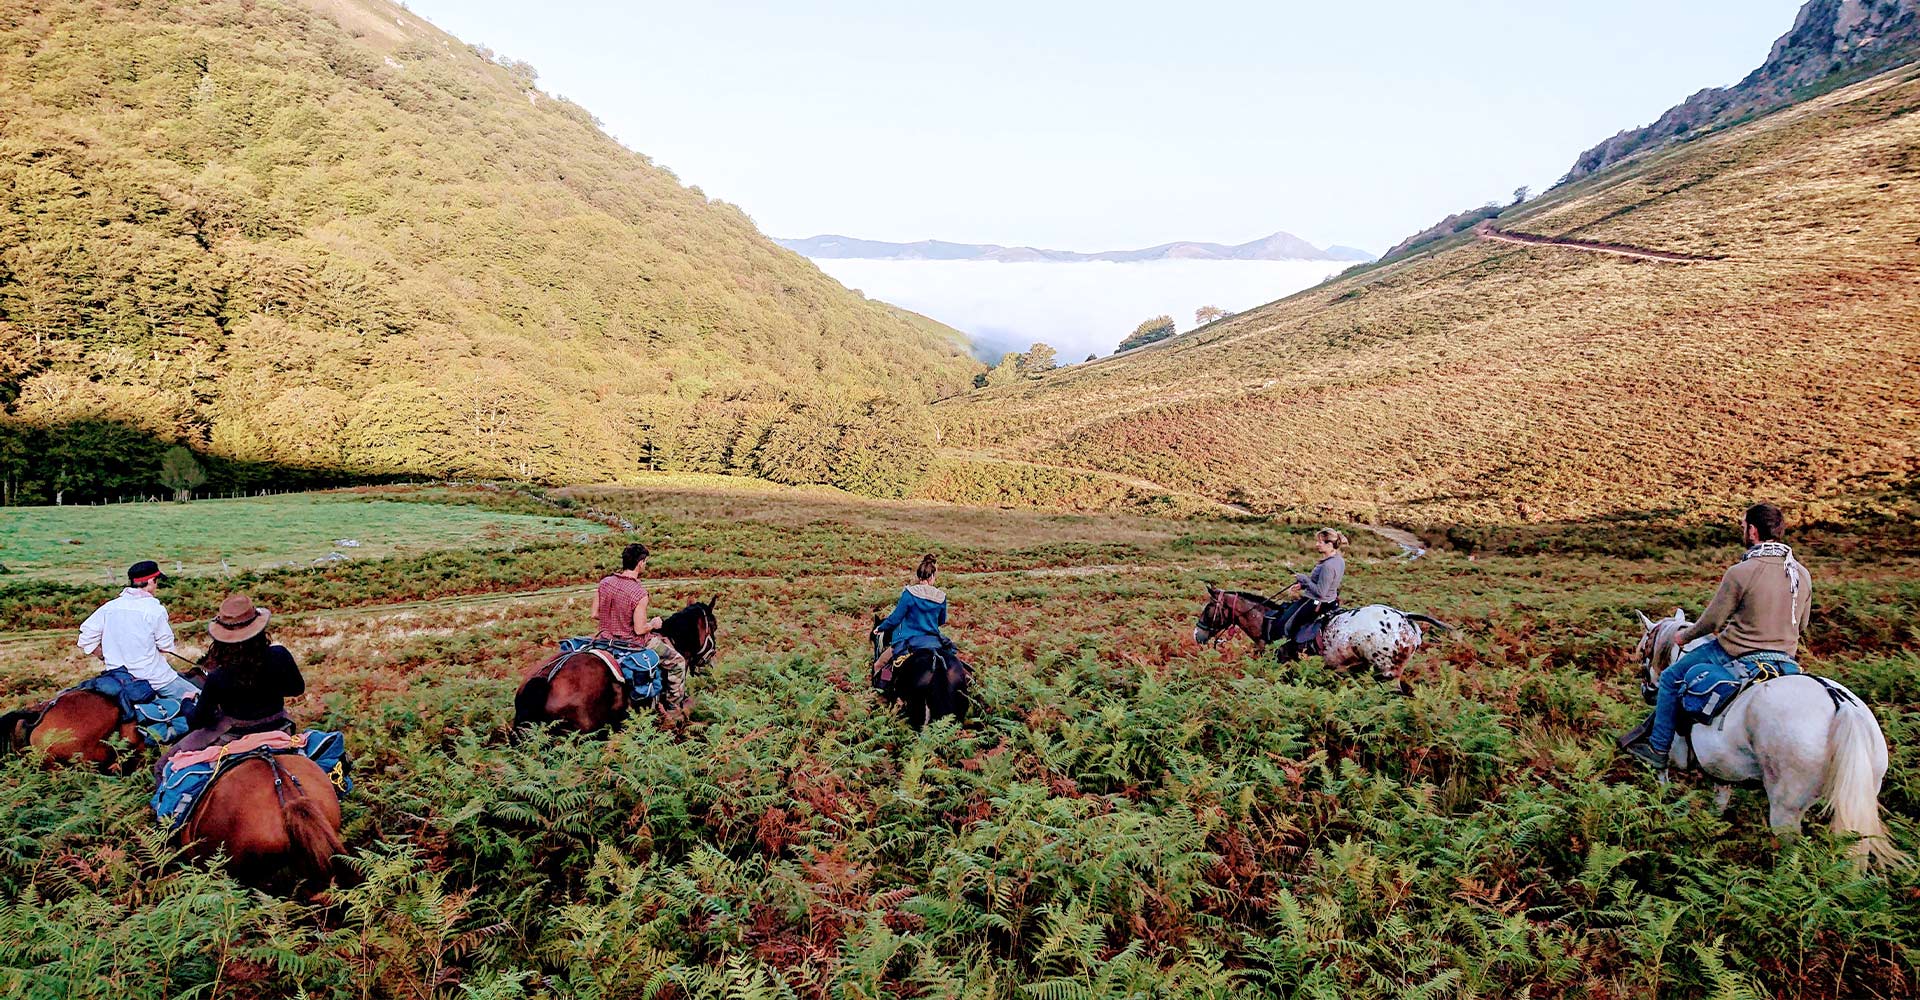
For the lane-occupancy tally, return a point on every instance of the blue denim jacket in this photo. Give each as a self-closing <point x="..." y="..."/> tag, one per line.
<point x="917" y="618"/>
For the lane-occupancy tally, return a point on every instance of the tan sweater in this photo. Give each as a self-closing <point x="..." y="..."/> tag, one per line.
<point x="1756" y="609"/>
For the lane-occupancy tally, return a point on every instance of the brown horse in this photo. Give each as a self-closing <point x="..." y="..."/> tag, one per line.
<point x="578" y="690"/>
<point x="276" y="817"/>
<point x="76" y="726"/>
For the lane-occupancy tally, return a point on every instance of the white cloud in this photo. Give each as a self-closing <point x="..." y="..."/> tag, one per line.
<point x="1079" y="308"/>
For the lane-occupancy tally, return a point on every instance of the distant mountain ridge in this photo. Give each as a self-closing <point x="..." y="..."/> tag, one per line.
<point x="1279" y="246"/>
<point x="1832" y="43"/>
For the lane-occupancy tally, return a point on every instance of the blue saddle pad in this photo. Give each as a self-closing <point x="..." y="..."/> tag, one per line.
<point x="1711" y="686"/>
<point x="640" y="666"/>
<point x="161" y="720"/>
<point x="178" y="788"/>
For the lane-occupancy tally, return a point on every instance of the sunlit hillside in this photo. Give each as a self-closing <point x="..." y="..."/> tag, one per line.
<point x="330" y="235"/>
<point x="1484" y="380"/>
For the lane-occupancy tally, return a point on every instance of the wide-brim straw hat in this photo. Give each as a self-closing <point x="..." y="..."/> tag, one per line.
<point x="238" y="619"/>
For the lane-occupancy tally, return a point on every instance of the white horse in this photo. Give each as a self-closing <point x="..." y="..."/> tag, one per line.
<point x="1799" y="736"/>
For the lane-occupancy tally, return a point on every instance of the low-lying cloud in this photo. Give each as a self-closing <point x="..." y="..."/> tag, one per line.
<point x="1079" y="308"/>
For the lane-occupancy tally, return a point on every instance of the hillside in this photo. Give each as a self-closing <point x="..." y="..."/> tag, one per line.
<point x="1832" y="42"/>
<point x="1489" y="381"/>
<point x="327" y="235"/>
<point x="1278" y="246"/>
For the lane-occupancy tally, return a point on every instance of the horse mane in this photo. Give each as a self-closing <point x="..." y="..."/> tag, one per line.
<point x="683" y="624"/>
<point x="1262" y="600"/>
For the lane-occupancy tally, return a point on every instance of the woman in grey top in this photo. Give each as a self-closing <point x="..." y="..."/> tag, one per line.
<point x="1317" y="590"/>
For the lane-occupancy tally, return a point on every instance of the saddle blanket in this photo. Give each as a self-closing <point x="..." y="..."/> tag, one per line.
<point x="639" y="666"/>
<point x="1710" y="687"/>
<point x="160" y="720"/>
<point x="186" y="776"/>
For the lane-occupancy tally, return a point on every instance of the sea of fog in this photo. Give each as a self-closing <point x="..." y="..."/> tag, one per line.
<point x="1079" y="308"/>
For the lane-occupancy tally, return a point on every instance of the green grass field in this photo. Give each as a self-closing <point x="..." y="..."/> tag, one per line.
<point x="211" y="537"/>
<point x="1126" y="815"/>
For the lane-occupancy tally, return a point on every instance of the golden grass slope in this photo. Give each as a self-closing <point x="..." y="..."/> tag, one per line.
<point x="1492" y="382"/>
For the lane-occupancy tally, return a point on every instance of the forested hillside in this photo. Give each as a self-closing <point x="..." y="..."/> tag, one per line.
<point x="1488" y="381"/>
<point x="328" y="237"/>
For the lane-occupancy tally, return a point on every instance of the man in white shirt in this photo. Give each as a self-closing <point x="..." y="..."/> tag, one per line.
<point x="131" y="632"/>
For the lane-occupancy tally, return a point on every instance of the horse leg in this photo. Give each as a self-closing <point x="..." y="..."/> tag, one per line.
<point x="1790" y="790"/>
<point x="1722" y="796"/>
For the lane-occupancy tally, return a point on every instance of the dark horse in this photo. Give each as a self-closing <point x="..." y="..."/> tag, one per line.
<point x="76" y="725"/>
<point x="277" y="818"/>
<point x="927" y="684"/>
<point x="579" y="692"/>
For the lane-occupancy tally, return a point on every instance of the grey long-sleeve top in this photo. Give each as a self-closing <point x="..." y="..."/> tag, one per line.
<point x="1323" y="584"/>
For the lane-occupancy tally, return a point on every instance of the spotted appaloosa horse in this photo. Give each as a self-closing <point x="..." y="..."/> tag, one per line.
<point x="581" y="693"/>
<point x="1376" y="636"/>
<point x="1802" y="737"/>
<point x="74" y="726"/>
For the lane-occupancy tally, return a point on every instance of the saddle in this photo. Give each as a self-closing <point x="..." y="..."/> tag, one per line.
<point x="160" y="720"/>
<point x="635" y="669"/>
<point x="185" y="778"/>
<point x="1272" y="627"/>
<point x="1710" y="688"/>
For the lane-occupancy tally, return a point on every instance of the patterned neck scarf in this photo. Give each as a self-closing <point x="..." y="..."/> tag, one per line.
<point x="1794" y="572"/>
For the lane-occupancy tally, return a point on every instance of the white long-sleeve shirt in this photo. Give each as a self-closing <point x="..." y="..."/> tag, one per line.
<point x="131" y="630"/>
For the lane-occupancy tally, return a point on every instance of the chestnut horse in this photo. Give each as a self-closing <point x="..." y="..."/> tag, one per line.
<point x="278" y="819"/>
<point x="75" y="726"/>
<point x="1375" y="636"/>
<point x="581" y="694"/>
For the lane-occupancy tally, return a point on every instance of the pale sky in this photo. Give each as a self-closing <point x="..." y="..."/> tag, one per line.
<point x="1109" y="125"/>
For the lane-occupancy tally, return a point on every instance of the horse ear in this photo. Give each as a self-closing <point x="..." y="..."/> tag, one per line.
<point x="1212" y="591"/>
<point x="1645" y="622"/>
<point x="1679" y="615"/>
<point x="713" y="602"/>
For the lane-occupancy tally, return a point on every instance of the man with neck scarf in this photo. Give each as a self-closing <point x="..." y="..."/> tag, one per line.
<point x="1761" y="606"/>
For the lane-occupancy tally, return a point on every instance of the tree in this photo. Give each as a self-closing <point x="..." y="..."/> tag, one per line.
<point x="180" y="473"/>
<point x="1157" y="328"/>
<point x="1007" y="371"/>
<point x="1207" y="314"/>
<point x="1091" y="357"/>
<point x="1521" y="193"/>
<point x="1039" y="358"/>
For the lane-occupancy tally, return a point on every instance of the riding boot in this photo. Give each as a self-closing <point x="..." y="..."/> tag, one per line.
<point x="1288" y="652"/>
<point x="883" y="671"/>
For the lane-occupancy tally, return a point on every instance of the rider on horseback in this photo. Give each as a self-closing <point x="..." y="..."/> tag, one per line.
<point x="620" y="611"/>
<point x="1762" y="604"/>
<point x="915" y="621"/>
<point x="128" y="635"/>
<point x="1318" y="590"/>
<point x="249" y="679"/>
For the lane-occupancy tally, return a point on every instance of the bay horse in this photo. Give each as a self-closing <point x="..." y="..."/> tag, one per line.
<point x="75" y="726"/>
<point x="276" y="817"/>
<point x="578" y="691"/>
<point x="1799" y="736"/>
<point x="927" y="684"/>
<point x="1375" y="636"/>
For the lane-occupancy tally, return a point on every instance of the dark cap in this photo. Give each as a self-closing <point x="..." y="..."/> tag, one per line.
<point x="140" y="573"/>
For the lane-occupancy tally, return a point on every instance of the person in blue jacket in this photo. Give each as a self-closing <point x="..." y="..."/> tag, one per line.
<point x="916" y="619"/>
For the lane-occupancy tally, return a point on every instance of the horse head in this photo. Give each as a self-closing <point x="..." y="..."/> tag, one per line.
<point x="1215" y="618"/>
<point x="692" y="630"/>
<point x="1657" y="648"/>
<point x="16" y="728"/>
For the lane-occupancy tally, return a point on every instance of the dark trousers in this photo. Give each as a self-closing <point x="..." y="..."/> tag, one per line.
<point x="1296" y="615"/>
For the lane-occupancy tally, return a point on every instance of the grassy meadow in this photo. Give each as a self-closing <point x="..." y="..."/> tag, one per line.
<point x="1125" y="814"/>
<point x="1487" y="382"/>
<point x="84" y="544"/>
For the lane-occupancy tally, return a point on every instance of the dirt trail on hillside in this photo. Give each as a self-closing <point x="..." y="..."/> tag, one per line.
<point x="1486" y="231"/>
<point x="1133" y="481"/>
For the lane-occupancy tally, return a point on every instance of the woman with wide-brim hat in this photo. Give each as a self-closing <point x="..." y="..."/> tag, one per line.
<point x="249" y="679"/>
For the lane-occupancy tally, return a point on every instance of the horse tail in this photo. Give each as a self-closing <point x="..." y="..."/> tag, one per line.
<point x="22" y="719"/>
<point x="1428" y="619"/>
<point x="314" y="840"/>
<point x="530" y="705"/>
<point x="1855" y="766"/>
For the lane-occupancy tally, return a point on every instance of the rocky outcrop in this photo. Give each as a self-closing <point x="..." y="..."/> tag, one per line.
<point x="1833" y="42"/>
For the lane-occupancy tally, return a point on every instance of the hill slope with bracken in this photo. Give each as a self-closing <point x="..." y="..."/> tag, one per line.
<point x="326" y="234"/>
<point x="1489" y="380"/>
